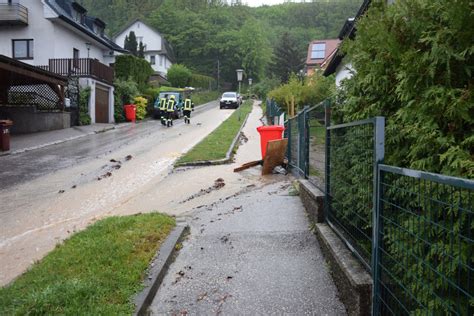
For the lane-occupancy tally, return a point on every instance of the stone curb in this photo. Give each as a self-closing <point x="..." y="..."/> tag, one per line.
<point x="165" y="257"/>
<point x="228" y="156"/>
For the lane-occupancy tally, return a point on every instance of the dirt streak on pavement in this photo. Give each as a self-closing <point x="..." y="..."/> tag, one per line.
<point x="37" y="215"/>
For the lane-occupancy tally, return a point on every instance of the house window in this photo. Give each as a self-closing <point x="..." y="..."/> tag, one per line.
<point x="75" y="57"/>
<point x="152" y="59"/>
<point x="22" y="49"/>
<point x="318" y="51"/>
<point x="161" y="60"/>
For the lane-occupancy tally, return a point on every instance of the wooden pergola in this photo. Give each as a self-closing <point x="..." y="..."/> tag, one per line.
<point x="14" y="73"/>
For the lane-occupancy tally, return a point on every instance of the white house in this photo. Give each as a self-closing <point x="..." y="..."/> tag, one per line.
<point x="59" y="36"/>
<point x="158" y="52"/>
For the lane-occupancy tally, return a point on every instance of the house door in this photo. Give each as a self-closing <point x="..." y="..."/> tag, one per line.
<point x="101" y="104"/>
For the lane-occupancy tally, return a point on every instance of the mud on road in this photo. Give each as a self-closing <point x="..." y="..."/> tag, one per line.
<point x="137" y="177"/>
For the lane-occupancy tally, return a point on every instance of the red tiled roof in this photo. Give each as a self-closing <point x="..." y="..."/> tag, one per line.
<point x="331" y="46"/>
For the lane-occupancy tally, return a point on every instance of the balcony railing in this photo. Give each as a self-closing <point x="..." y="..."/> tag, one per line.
<point x="13" y="14"/>
<point x="81" y="67"/>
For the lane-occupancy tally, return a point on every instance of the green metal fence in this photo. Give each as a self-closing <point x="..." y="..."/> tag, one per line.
<point x="353" y="151"/>
<point x="424" y="244"/>
<point x="317" y="116"/>
<point x="273" y="112"/>
<point x="412" y="230"/>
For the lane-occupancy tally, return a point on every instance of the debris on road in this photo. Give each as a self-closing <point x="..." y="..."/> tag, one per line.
<point x="129" y="157"/>
<point x="275" y="155"/>
<point x="248" y="165"/>
<point x="218" y="184"/>
<point x="279" y="170"/>
<point x="61" y="191"/>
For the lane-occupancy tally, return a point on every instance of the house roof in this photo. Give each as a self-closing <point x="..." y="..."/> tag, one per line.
<point x="167" y="49"/>
<point x="348" y="30"/>
<point x="331" y="46"/>
<point x="65" y="8"/>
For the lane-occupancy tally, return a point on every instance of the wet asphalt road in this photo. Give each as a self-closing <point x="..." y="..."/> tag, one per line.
<point x="23" y="167"/>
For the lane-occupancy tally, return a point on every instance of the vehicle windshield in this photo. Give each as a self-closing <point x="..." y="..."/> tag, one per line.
<point x="229" y="95"/>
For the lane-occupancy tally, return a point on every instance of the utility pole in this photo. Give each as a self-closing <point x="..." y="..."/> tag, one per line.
<point x="218" y="73"/>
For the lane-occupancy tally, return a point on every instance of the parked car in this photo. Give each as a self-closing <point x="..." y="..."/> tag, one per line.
<point x="229" y="99"/>
<point x="179" y="99"/>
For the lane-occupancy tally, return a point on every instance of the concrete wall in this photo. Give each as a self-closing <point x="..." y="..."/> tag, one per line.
<point x="28" y="120"/>
<point x="353" y="282"/>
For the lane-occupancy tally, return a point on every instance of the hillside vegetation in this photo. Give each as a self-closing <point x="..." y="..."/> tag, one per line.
<point x="208" y="33"/>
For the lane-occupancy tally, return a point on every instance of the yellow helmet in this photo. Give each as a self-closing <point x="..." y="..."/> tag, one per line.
<point x="173" y="96"/>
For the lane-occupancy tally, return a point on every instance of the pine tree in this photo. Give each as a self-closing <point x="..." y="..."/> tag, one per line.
<point x="131" y="43"/>
<point x="287" y="58"/>
<point x="141" y="50"/>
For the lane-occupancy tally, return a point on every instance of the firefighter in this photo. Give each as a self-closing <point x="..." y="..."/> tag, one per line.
<point x="163" y="102"/>
<point x="188" y="107"/>
<point x="170" y="110"/>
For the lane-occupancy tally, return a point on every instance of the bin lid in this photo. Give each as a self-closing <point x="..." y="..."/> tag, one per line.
<point x="271" y="128"/>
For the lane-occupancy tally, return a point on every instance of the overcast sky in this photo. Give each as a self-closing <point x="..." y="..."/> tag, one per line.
<point x="256" y="3"/>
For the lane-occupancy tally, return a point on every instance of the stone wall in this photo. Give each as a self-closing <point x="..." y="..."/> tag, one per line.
<point x="28" y="120"/>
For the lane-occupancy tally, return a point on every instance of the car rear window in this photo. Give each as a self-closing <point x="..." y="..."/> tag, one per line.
<point x="229" y="95"/>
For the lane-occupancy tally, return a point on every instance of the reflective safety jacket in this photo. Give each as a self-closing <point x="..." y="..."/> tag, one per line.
<point x="170" y="106"/>
<point x="188" y="105"/>
<point x="163" y="104"/>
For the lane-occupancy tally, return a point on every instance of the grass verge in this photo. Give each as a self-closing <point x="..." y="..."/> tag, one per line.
<point x="216" y="144"/>
<point x="95" y="272"/>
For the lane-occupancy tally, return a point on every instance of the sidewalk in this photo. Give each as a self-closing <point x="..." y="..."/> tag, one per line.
<point x="24" y="142"/>
<point x="252" y="254"/>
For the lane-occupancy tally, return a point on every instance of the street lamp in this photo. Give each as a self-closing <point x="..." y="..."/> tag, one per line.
<point x="250" y="87"/>
<point x="240" y="73"/>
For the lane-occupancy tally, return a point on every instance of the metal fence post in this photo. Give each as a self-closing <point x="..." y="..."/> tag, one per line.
<point x="289" y="142"/>
<point x="306" y="141"/>
<point x="327" y="123"/>
<point x="379" y="151"/>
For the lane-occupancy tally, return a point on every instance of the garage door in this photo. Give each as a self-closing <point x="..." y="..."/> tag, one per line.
<point x="101" y="104"/>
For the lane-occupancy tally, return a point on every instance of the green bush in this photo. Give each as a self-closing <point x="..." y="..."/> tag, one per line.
<point x="125" y="91"/>
<point x="202" y="97"/>
<point x="138" y="69"/>
<point x="84" y="96"/>
<point x="413" y="64"/>
<point x="262" y="88"/>
<point x="179" y="75"/>
<point x="203" y="82"/>
<point x="311" y="91"/>
<point x="141" y="104"/>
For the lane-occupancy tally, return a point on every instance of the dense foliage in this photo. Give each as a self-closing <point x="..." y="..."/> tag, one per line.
<point x="125" y="91"/>
<point x="214" y="39"/>
<point x="299" y="92"/>
<point x="138" y="69"/>
<point x="179" y="75"/>
<point x="414" y="62"/>
<point x="84" y="96"/>
<point x="141" y="104"/>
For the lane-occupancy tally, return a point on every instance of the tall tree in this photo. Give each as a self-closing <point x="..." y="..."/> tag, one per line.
<point x="141" y="50"/>
<point x="287" y="58"/>
<point x="131" y="43"/>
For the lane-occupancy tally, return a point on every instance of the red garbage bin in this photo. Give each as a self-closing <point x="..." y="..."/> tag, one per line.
<point x="267" y="133"/>
<point x="5" y="134"/>
<point x="130" y="112"/>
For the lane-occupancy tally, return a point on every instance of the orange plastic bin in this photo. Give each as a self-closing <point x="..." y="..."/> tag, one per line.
<point x="267" y="133"/>
<point x="130" y="112"/>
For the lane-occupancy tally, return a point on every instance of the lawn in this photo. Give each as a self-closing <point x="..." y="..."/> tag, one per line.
<point x="95" y="272"/>
<point x="216" y="144"/>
